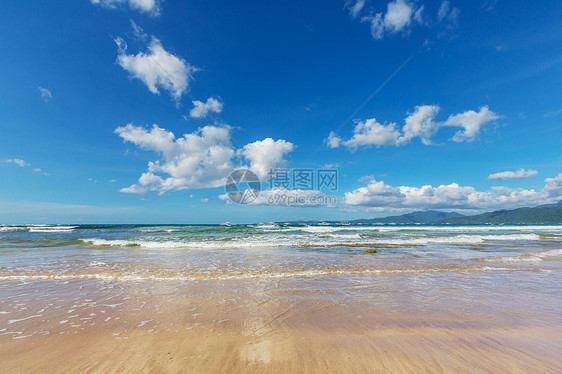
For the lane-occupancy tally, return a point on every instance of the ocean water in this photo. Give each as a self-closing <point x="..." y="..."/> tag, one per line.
<point x="213" y="252"/>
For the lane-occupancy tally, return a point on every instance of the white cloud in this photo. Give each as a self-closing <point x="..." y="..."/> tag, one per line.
<point x="377" y="194"/>
<point x="471" y="122"/>
<point x="489" y="5"/>
<point x="398" y="17"/>
<point x="144" y="6"/>
<point x="448" y="14"/>
<point x="23" y="164"/>
<point x="46" y="95"/>
<point x="554" y="113"/>
<point x="40" y="171"/>
<point x="519" y="174"/>
<point x="267" y="154"/>
<point x="443" y="10"/>
<point x="355" y="9"/>
<point x="138" y="31"/>
<point x="401" y="15"/>
<point x="419" y="124"/>
<point x="157" y="68"/>
<point x="333" y="141"/>
<point x="202" y="109"/>
<point x="201" y="159"/>
<point x="370" y="132"/>
<point x="418" y="16"/>
<point x="18" y="161"/>
<point x="204" y="200"/>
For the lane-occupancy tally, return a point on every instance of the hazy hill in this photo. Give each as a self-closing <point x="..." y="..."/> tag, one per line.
<point x="429" y="216"/>
<point x="547" y="214"/>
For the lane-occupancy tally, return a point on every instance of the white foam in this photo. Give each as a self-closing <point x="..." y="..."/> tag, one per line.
<point x="23" y="319"/>
<point x="37" y="228"/>
<point x="262" y="275"/>
<point x="97" y="263"/>
<point x="276" y="240"/>
<point x="528" y="257"/>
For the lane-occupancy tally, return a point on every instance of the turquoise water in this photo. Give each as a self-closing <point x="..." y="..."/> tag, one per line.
<point x="207" y="252"/>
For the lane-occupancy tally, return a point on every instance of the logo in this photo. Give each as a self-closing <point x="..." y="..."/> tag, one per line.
<point x="242" y="186"/>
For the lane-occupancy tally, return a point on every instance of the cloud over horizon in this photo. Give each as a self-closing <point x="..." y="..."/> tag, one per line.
<point x="377" y="194"/>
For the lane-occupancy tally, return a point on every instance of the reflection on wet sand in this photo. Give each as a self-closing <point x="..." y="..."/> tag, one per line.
<point x="433" y="322"/>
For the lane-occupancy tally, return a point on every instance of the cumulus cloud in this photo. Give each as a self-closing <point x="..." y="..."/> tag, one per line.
<point x="157" y="68"/>
<point x="471" y="122"/>
<point x="370" y="132"/>
<point x="45" y="93"/>
<point x="267" y="154"/>
<point x="204" y="200"/>
<point x="398" y="16"/>
<point x="201" y="159"/>
<point x="151" y="7"/>
<point x="377" y="194"/>
<point x="418" y="124"/>
<point x="333" y="141"/>
<point x="202" y="109"/>
<point x="519" y="174"/>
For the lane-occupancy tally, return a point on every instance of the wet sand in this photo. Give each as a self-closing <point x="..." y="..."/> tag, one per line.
<point x="451" y="322"/>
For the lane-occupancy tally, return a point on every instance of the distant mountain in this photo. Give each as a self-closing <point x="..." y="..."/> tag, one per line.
<point x="550" y="205"/>
<point x="542" y="214"/>
<point x="429" y="216"/>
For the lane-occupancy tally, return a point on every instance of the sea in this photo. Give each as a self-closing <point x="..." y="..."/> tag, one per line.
<point x="219" y="252"/>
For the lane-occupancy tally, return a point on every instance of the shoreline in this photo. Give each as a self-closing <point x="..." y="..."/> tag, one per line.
<point x="338" y="323"/>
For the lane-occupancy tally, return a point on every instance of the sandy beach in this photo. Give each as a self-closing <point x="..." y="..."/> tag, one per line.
<point x="346" y="324"/>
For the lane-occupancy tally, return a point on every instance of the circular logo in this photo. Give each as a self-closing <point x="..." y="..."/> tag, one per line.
<point x="242" y="186"/>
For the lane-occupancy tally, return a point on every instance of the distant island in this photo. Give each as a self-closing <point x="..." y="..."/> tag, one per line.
<point x="542" y="214"/>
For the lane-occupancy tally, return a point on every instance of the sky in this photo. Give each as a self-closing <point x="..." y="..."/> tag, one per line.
<point x="137" y="111"/>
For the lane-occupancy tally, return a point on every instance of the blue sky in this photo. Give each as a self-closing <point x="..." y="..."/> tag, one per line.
<point x="451" y="105"/>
